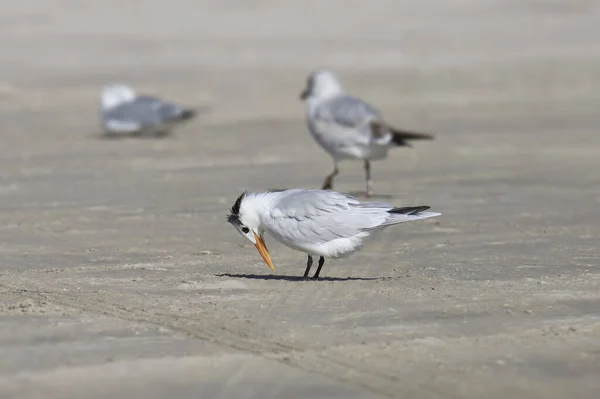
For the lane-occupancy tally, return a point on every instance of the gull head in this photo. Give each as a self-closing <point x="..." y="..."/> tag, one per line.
<point x="244" y="216"/>
<point x="117" y="94"/>
<point x="321" y="84"/>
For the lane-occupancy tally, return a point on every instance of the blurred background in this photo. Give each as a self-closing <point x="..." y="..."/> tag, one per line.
<point x="135" y="230"/>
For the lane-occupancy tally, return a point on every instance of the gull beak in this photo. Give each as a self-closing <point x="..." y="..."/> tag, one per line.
<point x="263" y="251"/>
<point x="304" y="94"/>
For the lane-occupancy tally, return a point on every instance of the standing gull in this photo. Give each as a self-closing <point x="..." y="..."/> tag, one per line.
<point x="123" y="112"/>
<point x="317" y="222"/>
<point x="348" y="127"/>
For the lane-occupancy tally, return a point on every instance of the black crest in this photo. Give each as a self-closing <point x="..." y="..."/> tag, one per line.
<point x="234" y="215"/>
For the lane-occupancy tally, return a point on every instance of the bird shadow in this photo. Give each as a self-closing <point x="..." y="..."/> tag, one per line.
<point x="292" y="278"/>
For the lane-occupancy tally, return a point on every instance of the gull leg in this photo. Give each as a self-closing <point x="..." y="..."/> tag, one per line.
<point x="368" y="178"/>
<point x="308" y="266"/>
<point x="321" y="263"/>
<point x="328" y="183"/>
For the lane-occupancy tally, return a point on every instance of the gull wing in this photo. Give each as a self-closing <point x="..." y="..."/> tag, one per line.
<point x="143" y="111"/>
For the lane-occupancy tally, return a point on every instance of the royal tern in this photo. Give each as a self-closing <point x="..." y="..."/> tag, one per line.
<point x="348" y="127"/>
<point x="123" y="112"/>
<point x="317" y="222"/>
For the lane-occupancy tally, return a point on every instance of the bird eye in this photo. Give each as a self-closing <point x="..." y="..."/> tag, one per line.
<point x="245" y="230"/>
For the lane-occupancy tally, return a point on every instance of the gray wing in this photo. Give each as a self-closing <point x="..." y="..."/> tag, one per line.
<point x="346" y="110"/>
<point x="163" y="110"/>
<point x="316" y="216"/>
<point x="145" y="111"/>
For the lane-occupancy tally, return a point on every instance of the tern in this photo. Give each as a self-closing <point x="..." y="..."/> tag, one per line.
<point x="348" y="127"/>
<point x="318" y="222"/>
<point x="124" y="112"/>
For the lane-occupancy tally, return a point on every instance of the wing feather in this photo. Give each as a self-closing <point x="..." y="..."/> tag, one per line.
<point x="347" y="111"/>
<point x="316" y="216"/>
<point x="351" y="121"/>
<point x="145" y="111"/>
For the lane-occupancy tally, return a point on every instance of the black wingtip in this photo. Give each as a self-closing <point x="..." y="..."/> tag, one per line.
<point x="402" y="138"/>
<point x="234" y="215"/>
<point x="409" y="210"/>
<point x="188" y="114"/>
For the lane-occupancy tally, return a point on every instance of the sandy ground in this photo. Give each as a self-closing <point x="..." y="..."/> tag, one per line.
<point x="120" y="277"/>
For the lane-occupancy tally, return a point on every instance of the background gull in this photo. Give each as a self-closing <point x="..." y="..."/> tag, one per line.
<point x="348" y="127"/>
<point x="125" y="113"/>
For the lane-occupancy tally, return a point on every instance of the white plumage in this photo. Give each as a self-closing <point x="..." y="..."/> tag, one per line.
<point x="317" y="222"/>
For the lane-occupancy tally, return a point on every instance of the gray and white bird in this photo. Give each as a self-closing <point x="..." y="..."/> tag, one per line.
<point x="318" y="222"/>
<point x="125" y="113"/>
<point x="348" y="127"/>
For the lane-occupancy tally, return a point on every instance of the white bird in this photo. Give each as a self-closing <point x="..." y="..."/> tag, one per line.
<point x="124" y="112"/>
<point x="348" y="127"/>
<point x="317" y="222"/>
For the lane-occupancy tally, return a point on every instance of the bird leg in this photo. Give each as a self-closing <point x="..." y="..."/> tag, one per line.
<point x="308" y="266"/>
<point x="328" y="183"/>
<point x="368" y="178"/>
<point x="321" y="263"/>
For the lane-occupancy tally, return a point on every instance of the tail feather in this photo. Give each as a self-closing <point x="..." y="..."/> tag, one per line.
<point x="409" y="210"/>
<point x="408" y="214"/>
<point x="401" y="137"/>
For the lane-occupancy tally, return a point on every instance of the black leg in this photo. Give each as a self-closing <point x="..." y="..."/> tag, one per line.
<point x="308" y="266"/>
<point x="368" y="178"/>
<point x="328" y="183"/>
<point x="321" y="263"/>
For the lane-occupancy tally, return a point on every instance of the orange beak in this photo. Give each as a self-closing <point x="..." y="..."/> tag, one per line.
<point x="263" y="251"/>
